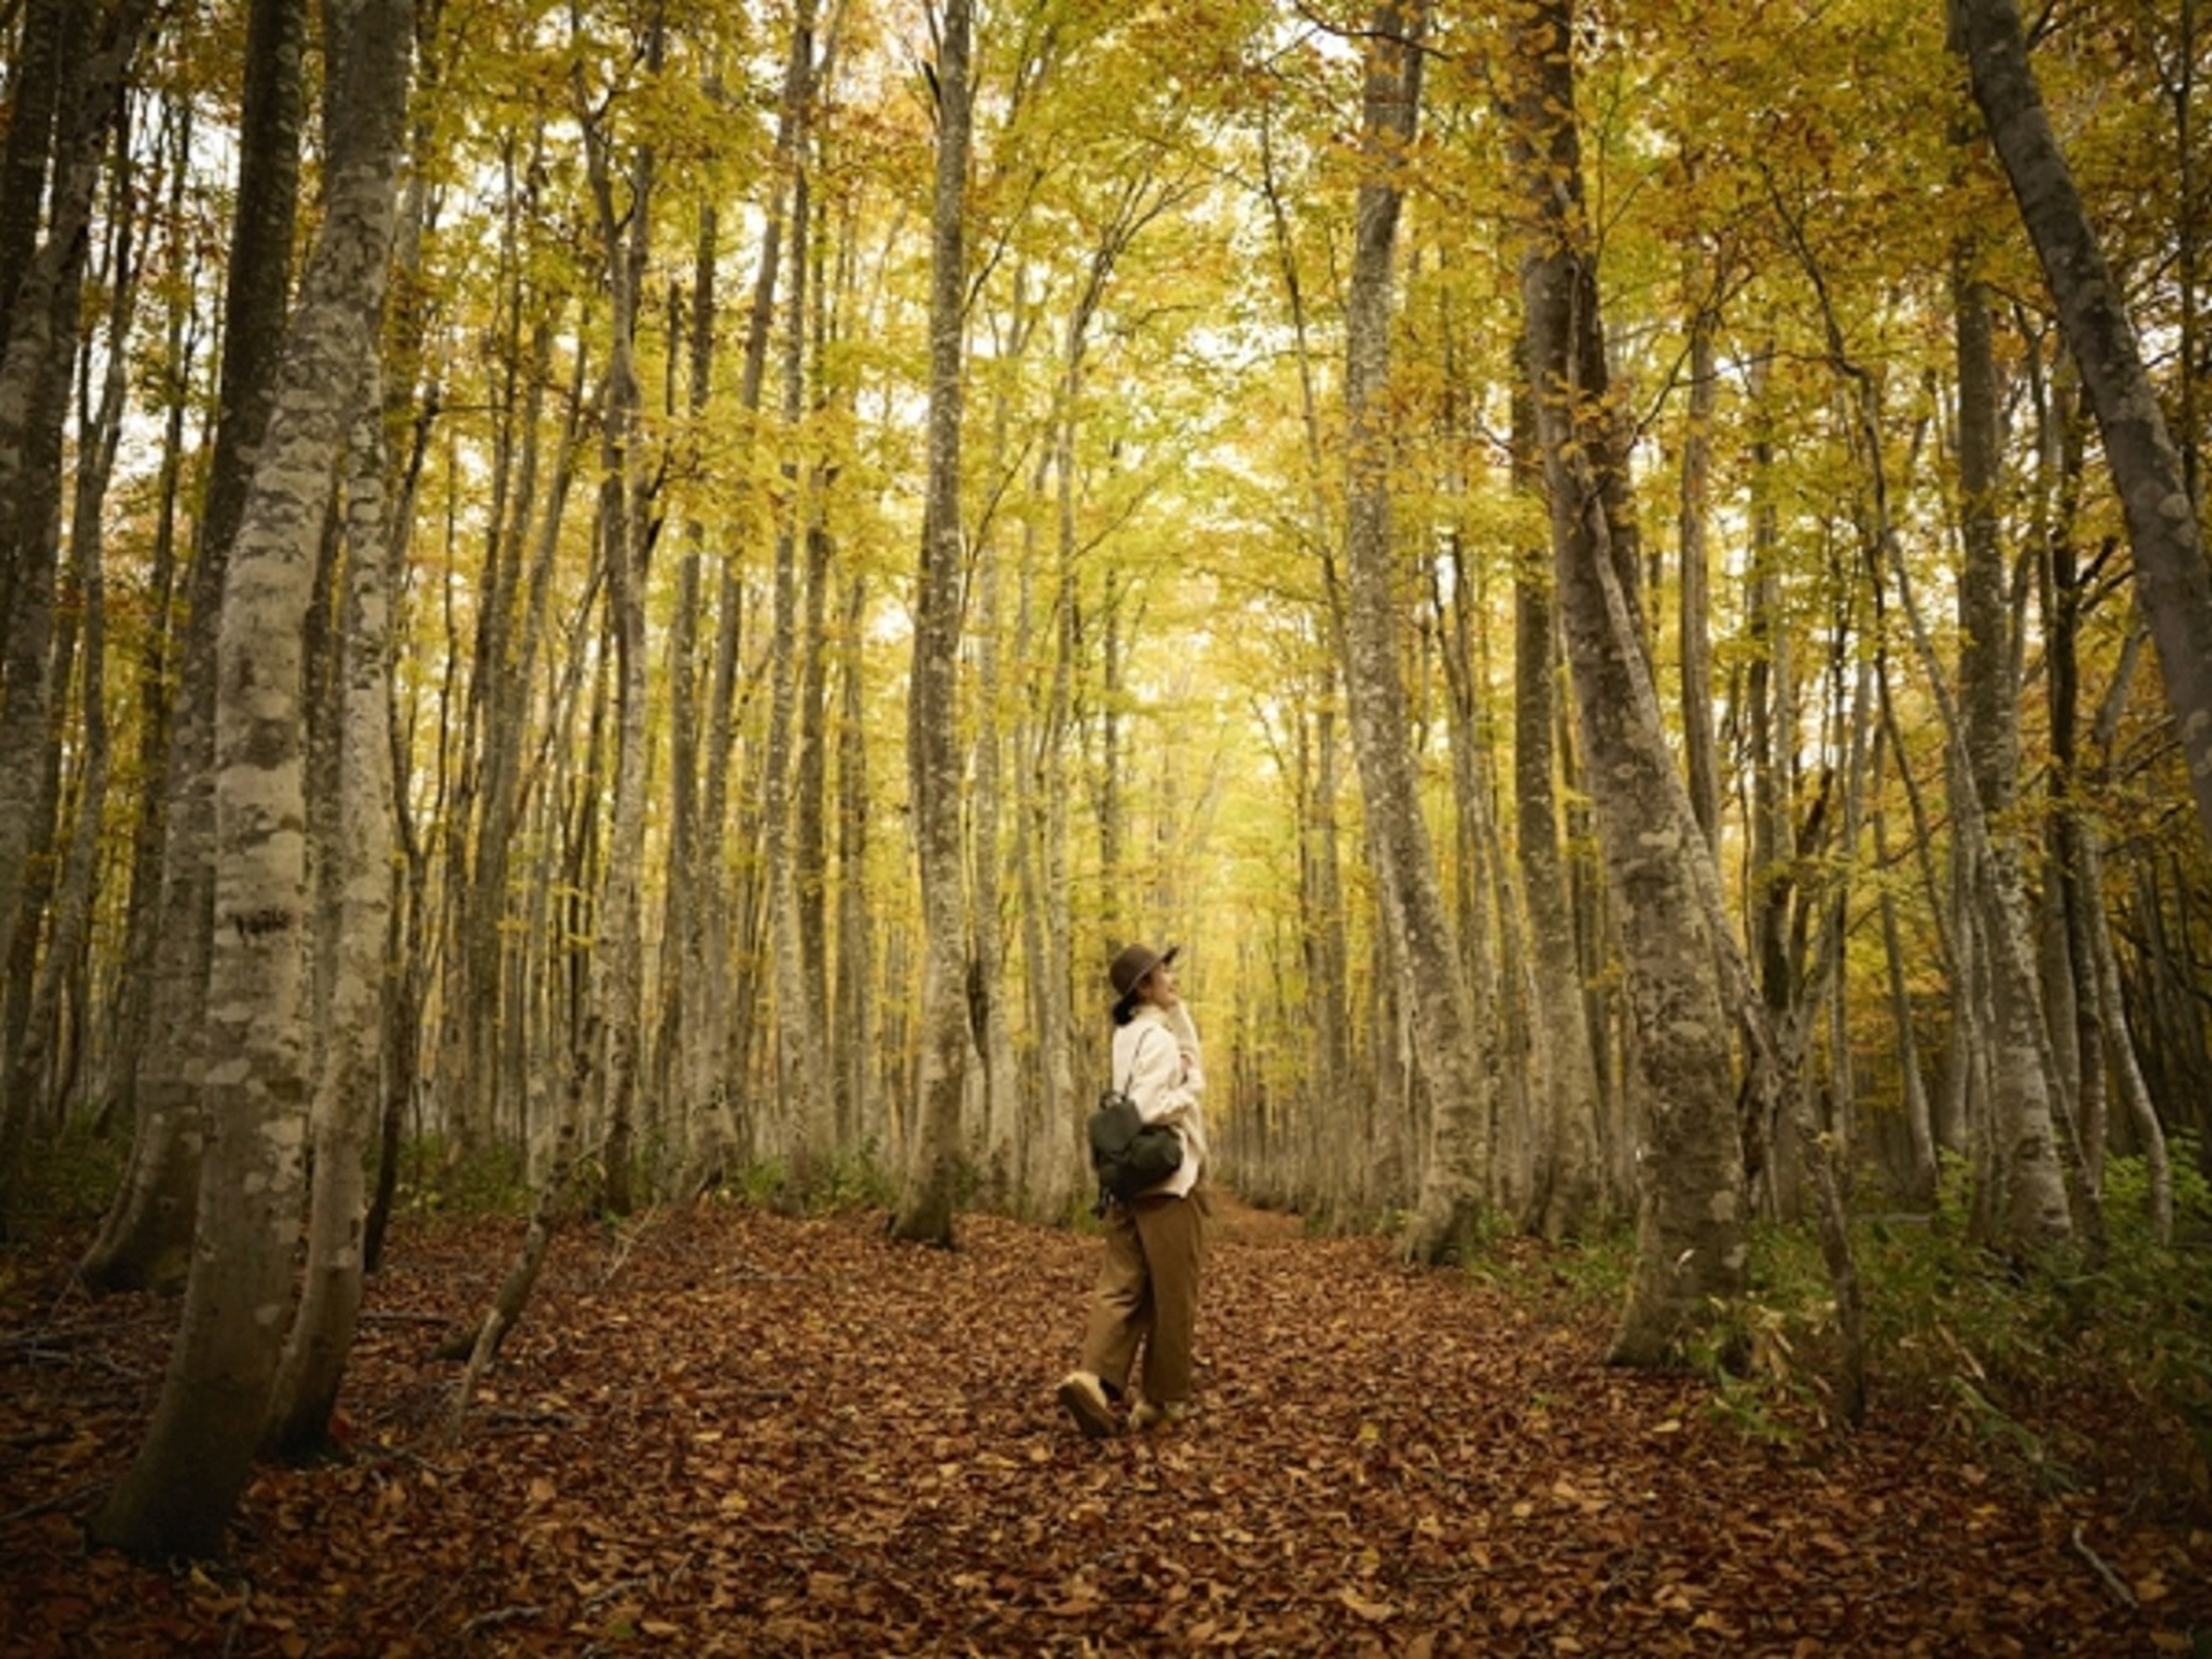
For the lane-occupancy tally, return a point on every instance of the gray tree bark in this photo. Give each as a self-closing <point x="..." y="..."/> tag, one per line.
<point x="1571" y="1189"/>
<point x="1699" y="749"/>
<point x="35" y="1087"/>
<point x="2172" y="579"/>
<point x="925" y="1212"/>
<point x="1690" y="1246"/>
<point x="618" y="958"/>
<point x="184" y="1483"/>
<point x="348" y="1088"/>
<point x="37" y="370"/>
<point x="802" y="1075"/>
<point x="1455" y="1176"/>
<point x="148" y="1231"/>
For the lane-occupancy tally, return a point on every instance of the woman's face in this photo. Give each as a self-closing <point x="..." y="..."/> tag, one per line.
<point x="1158" y="987"/>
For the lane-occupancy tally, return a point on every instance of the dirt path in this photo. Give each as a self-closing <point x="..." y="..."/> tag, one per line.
<point x="741" y="1435"/>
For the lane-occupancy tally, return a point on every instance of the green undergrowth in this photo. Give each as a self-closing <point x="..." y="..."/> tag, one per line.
<point x="851" y="1177"/>
<point x="64" y="1185"/>
<point x="2058" y="1374"/>
<point x="437" y="1178"/>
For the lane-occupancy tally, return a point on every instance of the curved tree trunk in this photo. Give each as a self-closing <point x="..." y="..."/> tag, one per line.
<point x="1690" y="1247"/>
<point x="2172" y="579"/>
<point x="148" y="1231"/>
<point x="179" y="1491"/>
<point x="348" y="1090"/>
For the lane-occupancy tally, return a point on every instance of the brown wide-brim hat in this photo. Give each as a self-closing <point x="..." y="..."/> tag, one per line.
<point x="1129" y="969"/>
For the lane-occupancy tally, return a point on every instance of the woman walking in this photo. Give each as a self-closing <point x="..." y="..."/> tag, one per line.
<point x="1146" y="1294"/>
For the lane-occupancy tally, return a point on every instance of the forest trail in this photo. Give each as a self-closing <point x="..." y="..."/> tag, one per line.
<point x="731" y="1433"/>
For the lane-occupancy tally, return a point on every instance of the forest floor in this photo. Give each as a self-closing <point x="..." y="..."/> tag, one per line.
<point x="726" y="1431"/>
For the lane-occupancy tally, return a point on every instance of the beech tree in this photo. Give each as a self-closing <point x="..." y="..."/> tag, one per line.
<point x="2171" y="571"/>
<point x="1690" y="1249"/>
<point x="925" y="1213"/>
<point x="179" y="1493"/>
<point x="149" y="1226"/>
<point x="1454" y="1186"/>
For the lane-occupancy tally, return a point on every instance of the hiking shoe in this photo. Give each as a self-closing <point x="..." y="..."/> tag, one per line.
<point x="1084" y="1398"/>
<point x="1151" y="1414"/>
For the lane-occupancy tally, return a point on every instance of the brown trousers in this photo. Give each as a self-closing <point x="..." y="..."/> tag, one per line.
<point x="1147" y="1292"/>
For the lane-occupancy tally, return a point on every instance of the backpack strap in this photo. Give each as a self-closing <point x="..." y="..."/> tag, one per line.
<point x="1135" y="1055"/>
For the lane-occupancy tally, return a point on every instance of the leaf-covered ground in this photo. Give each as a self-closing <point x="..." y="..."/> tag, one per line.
<point x="731" y="1433"/>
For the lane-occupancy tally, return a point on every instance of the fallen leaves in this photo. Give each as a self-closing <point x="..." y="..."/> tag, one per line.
<point x="779" y="1436"/>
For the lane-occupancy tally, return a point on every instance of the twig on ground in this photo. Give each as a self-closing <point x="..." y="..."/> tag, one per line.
<point x="64" y="1500"/>
<point x="2112" y="1580"/>
<point x="237" y="1620"/>
<point x="42" y="1334"/>
<point x="400" y="1316"/>
<point x="500" y="1616"/>
<point x="627" y="1241"/>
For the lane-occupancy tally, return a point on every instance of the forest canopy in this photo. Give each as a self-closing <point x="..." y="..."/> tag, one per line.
<point x="636" y="599"/>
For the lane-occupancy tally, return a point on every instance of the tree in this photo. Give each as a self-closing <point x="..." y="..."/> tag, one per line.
<point x="2172" y="579"/>
<point x="40" y="330"/>
<point x="1454" y="1186"/>
<point x="348" y="1087"/>
<point x="149" y="1226"/>
<point x="1690" y="1248"/>
<point x="925" y="1200"/>
<point x="179" y="1491"/>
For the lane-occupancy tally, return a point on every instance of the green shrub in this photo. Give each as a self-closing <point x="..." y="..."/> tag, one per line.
<point x="65" y="1181"/>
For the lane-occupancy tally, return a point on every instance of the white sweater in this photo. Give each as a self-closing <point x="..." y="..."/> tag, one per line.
<point x="1156" y="1060"/>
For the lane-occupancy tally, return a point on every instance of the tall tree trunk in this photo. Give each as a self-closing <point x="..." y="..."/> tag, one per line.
<point x="2172" y="579"/>
<point x="618" y="959"/>
<point x="1571" y="1189"/>
<point x="1000" y="1146"/>
<point x="154" y="695"/>
<point x="34" y="1088"/>
<point x="679" y="1079"/>
<point x="36" y="372"/>
<point x="803" y="1084"/>
<point x="1920" y="1179"/>
<point x="925" y="1201"/>
<point x="181" y="1490"/>
<point x="348" y="1087"/>
<point x="148" y="1231"/>
<point x="1455" y="1175"/>
<point x="1690" y="1246"/>
<point x="1694" y="614"/>
<point x="1770" y="723"/>
<point x="855" y="1016"/>
<point x="2017" y="1046"/>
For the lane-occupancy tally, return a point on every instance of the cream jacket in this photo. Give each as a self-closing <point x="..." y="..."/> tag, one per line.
<point x="1158" y="1060"/>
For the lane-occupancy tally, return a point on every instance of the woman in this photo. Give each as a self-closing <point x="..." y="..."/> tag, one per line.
<point x="1147" y="1287"/>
